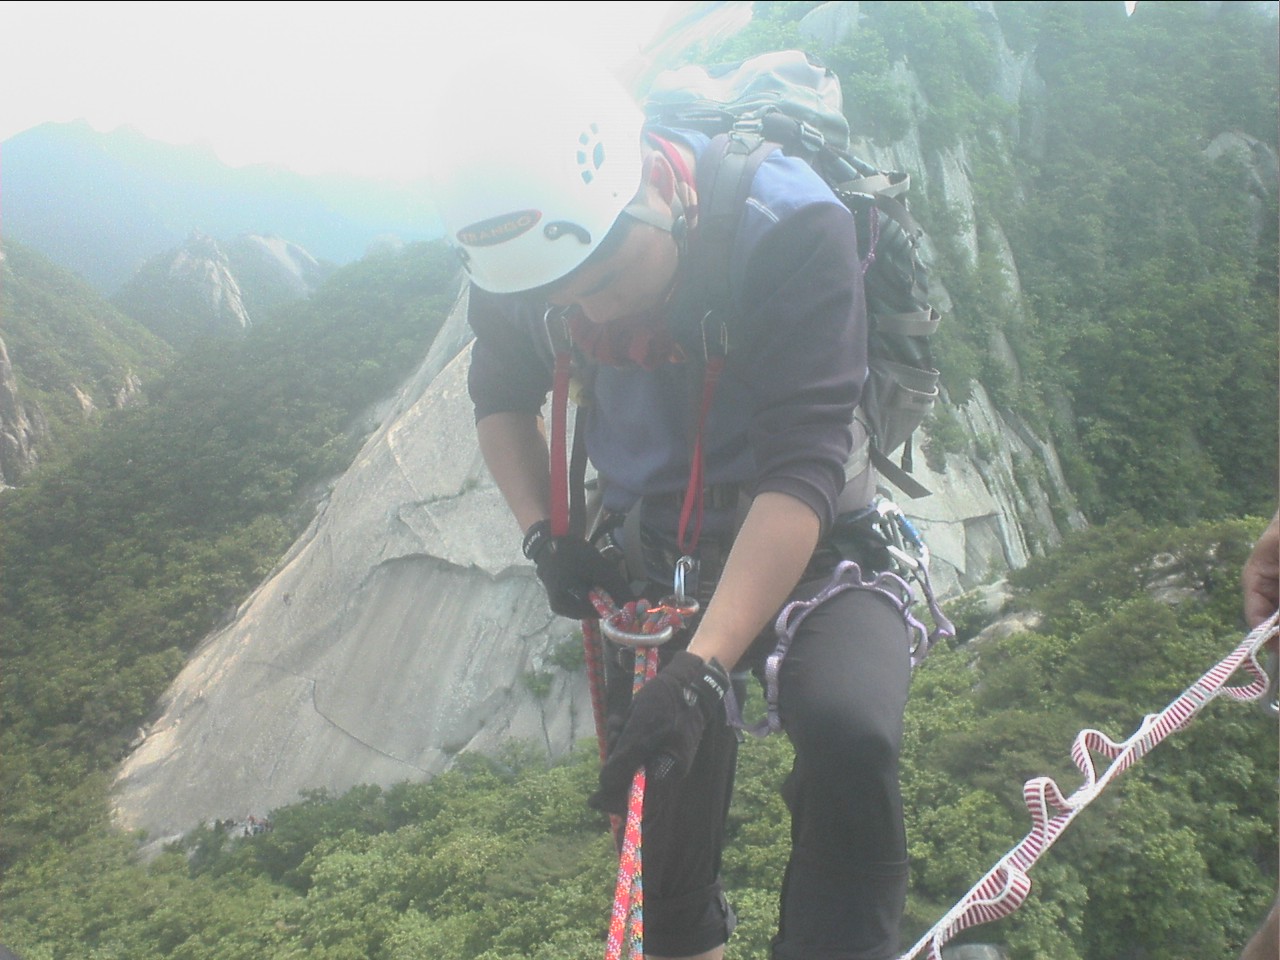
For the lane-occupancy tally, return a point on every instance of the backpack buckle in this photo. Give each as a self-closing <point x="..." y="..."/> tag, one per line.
<point x="715" y="336"/>
<point x="556" y="323"/>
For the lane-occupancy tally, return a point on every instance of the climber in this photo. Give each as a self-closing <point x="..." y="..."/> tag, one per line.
<point x="578" y="226"/>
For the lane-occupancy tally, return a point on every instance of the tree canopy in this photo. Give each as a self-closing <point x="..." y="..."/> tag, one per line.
<point x="1143" y="322"/>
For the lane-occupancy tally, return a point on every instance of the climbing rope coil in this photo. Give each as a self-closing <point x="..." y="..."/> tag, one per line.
<point x="1006" y="885"/>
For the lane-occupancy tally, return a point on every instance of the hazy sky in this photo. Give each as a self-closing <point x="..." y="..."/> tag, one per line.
<point x="318" y="87"/>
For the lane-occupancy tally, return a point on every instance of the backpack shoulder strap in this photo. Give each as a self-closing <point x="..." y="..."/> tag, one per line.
<point x="725" y="173"/>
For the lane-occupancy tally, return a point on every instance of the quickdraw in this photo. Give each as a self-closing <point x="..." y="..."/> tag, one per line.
<point x="1006" y="885"/>
<point x="909" y="556"/>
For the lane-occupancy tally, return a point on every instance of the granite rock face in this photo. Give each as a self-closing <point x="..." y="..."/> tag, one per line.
<point x="402" y="629"/>
<point x="22" y="426"/>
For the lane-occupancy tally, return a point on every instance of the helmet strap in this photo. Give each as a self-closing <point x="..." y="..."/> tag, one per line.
<point x="673" y="223"/>
<point x="683" y="202"/>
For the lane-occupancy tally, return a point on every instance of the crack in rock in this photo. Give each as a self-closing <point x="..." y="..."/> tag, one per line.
<point x="314" y="684"/>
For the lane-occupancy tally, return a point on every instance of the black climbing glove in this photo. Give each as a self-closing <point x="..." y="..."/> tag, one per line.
<point x="570" y="568"/>
<point x="663" y="728"/>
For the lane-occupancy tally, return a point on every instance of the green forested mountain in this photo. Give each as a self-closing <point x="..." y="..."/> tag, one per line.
<point x="203" y="289"/>
<point x="73" y="354"/>
<point x="1131" y="163"/>
<point x="501" y="859"/>
<point x="1148" y="249"/>
<point x="119" y="557"/>
<point x="1145" y="343"/>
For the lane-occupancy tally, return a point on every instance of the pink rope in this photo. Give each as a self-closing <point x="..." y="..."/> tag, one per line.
<point x="626" y="920"/>
<point x="1006" y="885"/>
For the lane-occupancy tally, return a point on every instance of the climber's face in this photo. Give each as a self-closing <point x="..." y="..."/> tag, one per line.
<point x="630" y="284"/>
<point x="633" y="277"/>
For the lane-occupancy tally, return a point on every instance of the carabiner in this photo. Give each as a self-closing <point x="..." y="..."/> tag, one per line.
<point x="637" y="624"/>
<point x="623" y="637"/>
<point x="679" y="601"/>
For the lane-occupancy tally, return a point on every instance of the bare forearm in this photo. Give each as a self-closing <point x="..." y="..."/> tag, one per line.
<point x="515" y="451"/>
<point x="770" y="554"/>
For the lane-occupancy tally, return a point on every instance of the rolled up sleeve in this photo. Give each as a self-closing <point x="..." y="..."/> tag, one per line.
<point x="807" y="357"/>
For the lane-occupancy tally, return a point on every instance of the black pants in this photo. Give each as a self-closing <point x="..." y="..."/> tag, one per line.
<point x="843" y="688"/>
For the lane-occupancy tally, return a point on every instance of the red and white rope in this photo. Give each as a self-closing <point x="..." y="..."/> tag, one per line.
<point x="1006" y="885"/>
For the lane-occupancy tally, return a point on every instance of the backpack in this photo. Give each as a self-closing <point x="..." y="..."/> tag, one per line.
<point x="789" y="101"/>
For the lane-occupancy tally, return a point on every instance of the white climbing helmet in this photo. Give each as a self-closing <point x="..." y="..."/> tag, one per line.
<point x="534" y="168"/>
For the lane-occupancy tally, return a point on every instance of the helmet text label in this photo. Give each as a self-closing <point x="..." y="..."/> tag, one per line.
<point x="500" y="229"/>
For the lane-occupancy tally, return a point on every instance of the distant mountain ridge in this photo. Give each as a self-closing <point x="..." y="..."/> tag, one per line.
<point x="101" y="204"/>
<point x="65" y="355"/>
<point x="203" y="288"/>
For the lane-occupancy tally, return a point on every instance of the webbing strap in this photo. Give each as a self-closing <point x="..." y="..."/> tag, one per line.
<point x="559" y="426"/>
<point x="899" y="477"/>
<point x="918" y="323"/>
<point x="593" y="651"/>
<point x="725" y="173"/>
<point x="691" y="511"/>
<point x="1007" y="885"/>
<point x="578" y="475"/>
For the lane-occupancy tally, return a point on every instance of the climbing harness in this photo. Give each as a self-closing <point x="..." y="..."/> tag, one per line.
<point x="848" y="576"/>
<point x="884" y="524"/>
<point x="1006" y="885"/>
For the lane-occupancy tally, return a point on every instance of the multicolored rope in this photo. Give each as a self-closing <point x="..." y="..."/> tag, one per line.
<point x="1007" y="885"/>
<point x="645" y="628"/>
<point x="635" y="624"/>
<point x="626" y="922"/>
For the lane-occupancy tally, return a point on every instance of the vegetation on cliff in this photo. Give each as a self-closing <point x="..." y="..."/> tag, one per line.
<point x="1146" y="345"/>
<point x="119" y="557"/>
<point x="501" y="858"/>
